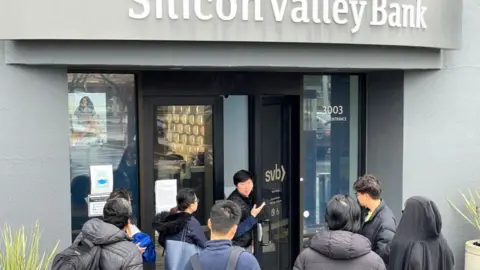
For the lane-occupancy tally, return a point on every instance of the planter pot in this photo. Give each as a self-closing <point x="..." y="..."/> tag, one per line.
<point x="472" y="255"/>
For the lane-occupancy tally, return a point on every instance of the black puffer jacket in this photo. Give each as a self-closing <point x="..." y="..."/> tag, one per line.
<point x="338" y="250"/>
<point x="245" y="204"/>
<point x="380" y="230"/>
<point x="170" y="226"/>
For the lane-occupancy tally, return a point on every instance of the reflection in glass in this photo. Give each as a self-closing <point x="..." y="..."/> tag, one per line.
<point x="191" y="119"/>
<point x="102" y="131"/>
<point x="183" y="119"/>
<point x="176" y="118"/>
<point x="183" y="139"/>
<point x="199" y="119"/>
<point x="183" y="160"/>
<point x="179" y="128"/>
<point x="176" y="137"/>
<point x="191" y="140"/>
<point x="330" y="131"/>
<point x="199" y="140"/>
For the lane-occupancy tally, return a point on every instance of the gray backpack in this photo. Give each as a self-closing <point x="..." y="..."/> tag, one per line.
<point x="232" y="259"/>
<point x="83" y="255"/>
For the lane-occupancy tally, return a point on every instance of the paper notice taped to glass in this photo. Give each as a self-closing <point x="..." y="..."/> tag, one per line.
<point x="101" y="179"/>
<point x="95" y="204"/>
<point x="165" y="195"/>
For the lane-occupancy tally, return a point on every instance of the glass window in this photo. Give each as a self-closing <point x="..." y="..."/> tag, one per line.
<point x="102" y="139"/>
<point x="183" y="154"/>
<point x="183" y="158"/>
<point x="330" y="130"/>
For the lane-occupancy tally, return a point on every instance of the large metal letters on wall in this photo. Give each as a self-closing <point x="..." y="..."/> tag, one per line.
<point x="418" y="23"/>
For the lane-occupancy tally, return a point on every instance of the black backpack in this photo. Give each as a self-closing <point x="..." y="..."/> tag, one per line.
<point x="232" y="259"/>
<point x="82" y="256"/>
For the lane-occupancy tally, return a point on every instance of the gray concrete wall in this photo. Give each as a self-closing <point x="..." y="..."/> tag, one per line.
<point x="442" y="131"/>
<point x="384" y="150"/>
<point x="188" y="55"/>
<point x="34" y="150"/>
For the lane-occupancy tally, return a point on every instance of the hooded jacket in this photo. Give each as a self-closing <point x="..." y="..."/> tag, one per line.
<point x="117" y="252"/>
<point x="338" y="250"/>
<point x="170" y="226"/>
<point x="419" y="243"/>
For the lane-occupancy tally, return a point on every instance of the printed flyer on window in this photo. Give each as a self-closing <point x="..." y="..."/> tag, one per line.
<point x="88" y="118"/>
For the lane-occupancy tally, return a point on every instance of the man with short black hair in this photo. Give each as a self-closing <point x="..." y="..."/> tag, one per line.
<point x="219" y="252"/>
<point x="379" y="224"/>
<point x="242" y="196"/>
<point x="118" y="252"/>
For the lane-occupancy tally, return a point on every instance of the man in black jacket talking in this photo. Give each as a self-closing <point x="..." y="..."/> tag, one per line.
<point x="242" y="196"/>
<point x="379" y="223"/>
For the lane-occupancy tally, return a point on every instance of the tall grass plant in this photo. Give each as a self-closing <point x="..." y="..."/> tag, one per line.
<point x="21" y="252"/>
<point x="471" y="203"/>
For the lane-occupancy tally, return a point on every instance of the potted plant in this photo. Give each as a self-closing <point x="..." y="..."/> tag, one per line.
<point x="472" y="215"/>
<point x="17" y="251"/>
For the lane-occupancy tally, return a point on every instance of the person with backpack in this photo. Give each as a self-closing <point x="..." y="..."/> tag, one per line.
<point x="219" y="254"/>
<point x="143" y="241"/>
<point x="103" y="244"/>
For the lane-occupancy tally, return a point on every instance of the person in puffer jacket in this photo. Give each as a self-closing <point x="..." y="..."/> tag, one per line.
<point x="118" y="252"/>
<point x="171" y="225"/>
<point x="142" y="240"/>
<point x="339" y="246"/>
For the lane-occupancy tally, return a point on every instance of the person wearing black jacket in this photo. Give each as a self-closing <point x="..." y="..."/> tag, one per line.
<point x="419" y="243"/>
<point x="379" y="223"/>
<point x="242" y="196"/>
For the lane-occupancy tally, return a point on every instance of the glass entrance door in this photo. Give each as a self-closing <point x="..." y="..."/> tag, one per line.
<point x="180" y="151"/>
<point x="274" y="182"/>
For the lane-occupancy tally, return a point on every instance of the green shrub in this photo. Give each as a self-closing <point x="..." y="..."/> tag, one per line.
<point x="19" y="252"/>
<point x="472" y="205"/>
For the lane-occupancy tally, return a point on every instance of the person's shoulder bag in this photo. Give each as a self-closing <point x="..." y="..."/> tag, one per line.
<point x="177" y="253"/>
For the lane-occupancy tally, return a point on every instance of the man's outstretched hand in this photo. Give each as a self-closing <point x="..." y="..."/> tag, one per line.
<point x="256" y="210"/>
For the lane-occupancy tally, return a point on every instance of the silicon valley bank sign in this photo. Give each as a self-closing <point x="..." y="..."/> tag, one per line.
<point x="340" y="12"/>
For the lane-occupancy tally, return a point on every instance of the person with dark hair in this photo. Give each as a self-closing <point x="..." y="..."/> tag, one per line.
<point x="219" y="252"/>
<point x="379" y="223"/>
<point x="419" y="243"/>
<point x="242" y="195"/>
<point x="340" y="246"/>
<point x="141" y="239"/>
<point x="121" y="193"/>
<point x="180" y="227"/>
<point x="118" y="252"/>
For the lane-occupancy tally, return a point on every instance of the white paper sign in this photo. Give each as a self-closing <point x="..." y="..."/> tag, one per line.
<point x="96" y="204"/>
<point x="101" y="179"/>
<point x="165" y="195"/>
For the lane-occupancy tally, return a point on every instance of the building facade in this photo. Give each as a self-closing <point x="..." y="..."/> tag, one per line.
<point x="159" y="95"/>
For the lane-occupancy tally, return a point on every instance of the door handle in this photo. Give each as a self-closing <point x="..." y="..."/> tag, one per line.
<point x="268" y="241"/>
